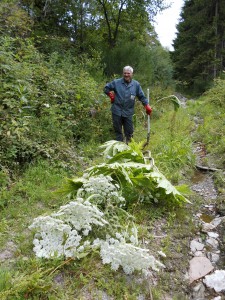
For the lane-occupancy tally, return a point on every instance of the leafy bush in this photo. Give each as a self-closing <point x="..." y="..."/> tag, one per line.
<point x="210" y="112"/>
<point x="45" y="104"/>
<point x="14" y="21"/>
<point x="216" y="94"/>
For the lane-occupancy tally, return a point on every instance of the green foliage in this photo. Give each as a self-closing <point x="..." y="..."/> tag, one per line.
<point x="216" y="95"/>
<point x="219" y="180"/>
<point x="162" y="68"/>
<point x="172" y="98"/>
<point x="19" y="286"/>
<point x="14" y="21"/>
<point x="45" y="105"/>
<point x="110" y="20"/>
<point x="152" y="65"/>
<point x="119" y="152"/>
<point x="33" y="187"/>
<point x="138" y="179"/>
<point x="129" y="53"/>
<point x="171" y="142"/>
<point x="101" y="186"/>
<point x="211" y="112"/>
<point x="32" y="195"/>
<point x="202" y="25"/>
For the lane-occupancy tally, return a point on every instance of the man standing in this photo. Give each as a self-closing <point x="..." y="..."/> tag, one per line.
<point x="122" y="93"/>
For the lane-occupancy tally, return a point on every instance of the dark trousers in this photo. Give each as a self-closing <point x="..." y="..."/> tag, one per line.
<point x="121" y="124"/>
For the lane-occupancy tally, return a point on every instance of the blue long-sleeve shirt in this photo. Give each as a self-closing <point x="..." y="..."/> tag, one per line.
<point x="125" y="94"/>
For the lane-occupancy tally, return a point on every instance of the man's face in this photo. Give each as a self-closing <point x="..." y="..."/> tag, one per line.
<point x="127" y="75"/>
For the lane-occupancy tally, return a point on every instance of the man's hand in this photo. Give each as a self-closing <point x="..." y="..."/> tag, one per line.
<point x="148" y="109"/>
<point x="111" y="96"/>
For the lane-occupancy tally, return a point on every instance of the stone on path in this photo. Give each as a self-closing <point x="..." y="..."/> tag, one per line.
<point x="213" y="235"/>
<point x="6" y="254"/>
<point x="216" y="280"/>
<point x="213" y="243"/>
<point x="199" y="291"/>
<point x="206" y="227"/>
<point x="199" y="267"/>
<point x="213" y="257"/>
<point x="196" y="246"/>
<point x="217" y="221"/>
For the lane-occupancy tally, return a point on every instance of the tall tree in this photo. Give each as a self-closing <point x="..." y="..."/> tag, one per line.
<point x="76" y="19"/>
<point x="132" y="16"/>
<point x="198" y="49"/>
<point x="103" y="26"/>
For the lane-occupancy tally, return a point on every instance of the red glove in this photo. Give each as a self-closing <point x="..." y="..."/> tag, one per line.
<point x="148" y="109"/>
<point x="111" y="96"/>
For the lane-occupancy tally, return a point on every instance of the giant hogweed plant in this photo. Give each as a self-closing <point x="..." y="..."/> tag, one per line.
<point x="94" y="218"/>
<point x="134" y="172"/>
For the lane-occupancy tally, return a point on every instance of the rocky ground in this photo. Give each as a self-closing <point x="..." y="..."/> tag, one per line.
<point x="198" y="269"/>
<point x="194" y="241"/>
<point x="207" y="267"/>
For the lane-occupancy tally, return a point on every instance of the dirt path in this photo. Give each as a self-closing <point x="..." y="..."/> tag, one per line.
<point x="201" y="240"/>
<point x="207" y="242"/>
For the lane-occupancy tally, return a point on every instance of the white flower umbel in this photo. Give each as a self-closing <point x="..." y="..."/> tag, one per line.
<point x="54" y="238"/>
<point x="64" y="233"/>
<point x="128" y="256"/>
<point x="81" y="214"/>
<point x="104" y="190"/>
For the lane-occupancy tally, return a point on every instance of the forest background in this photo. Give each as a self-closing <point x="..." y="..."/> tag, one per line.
<point x="55" y="59"/>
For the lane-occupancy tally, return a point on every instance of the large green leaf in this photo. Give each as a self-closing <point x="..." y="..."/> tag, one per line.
<point x="176" y="102"/>
<point x="126" y="156"/>
<point x="116" y="170"/>
<point x="165" y="184"/>
<point x="113" y="147"/>
<point x="72" y="186"/>
<point x="132" y="172"/>
<point x="139" y="176"/>
<point x="120" y="152"/>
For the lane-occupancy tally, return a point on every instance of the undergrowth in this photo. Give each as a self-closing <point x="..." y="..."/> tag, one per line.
<point x="209" y="112"/>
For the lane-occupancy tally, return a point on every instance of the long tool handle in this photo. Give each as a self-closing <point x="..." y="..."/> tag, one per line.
<point x="148" y="134"/>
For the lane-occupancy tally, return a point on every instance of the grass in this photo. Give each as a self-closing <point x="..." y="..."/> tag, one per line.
<point x="33" y="193"/>
<point x="24" y="276"/>
<point x="170" y="140"/>
<point x="209" y="112"/>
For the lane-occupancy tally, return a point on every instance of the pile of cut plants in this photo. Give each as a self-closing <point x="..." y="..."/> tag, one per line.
<point x="97" y="218"/>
